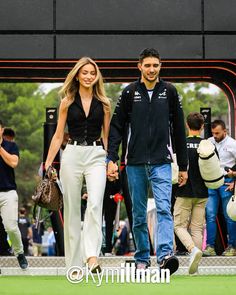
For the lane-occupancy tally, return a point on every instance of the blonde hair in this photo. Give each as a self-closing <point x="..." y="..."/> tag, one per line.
<point x="70" y="86"/>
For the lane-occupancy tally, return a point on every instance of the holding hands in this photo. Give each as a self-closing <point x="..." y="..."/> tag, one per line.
<point x="112" y="171"/>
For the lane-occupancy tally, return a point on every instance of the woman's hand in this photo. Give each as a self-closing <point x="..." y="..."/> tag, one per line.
<point x="47" y="165"/>
<point x="51" y="173"/>
<point x="112" y="171"/>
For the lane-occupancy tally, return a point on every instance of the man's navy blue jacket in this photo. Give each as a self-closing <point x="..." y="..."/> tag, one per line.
<point x="150" y="125"/>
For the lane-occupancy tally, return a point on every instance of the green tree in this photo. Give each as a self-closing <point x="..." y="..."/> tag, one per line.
<point x="22" y="108"/>
<point x="197" y="95"/>
<point x="113" y="91"/>
<point x="52" y="98"/>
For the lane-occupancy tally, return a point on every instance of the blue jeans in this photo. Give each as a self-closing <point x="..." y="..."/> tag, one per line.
<point x="159" y="176"/>
<point x="214" y="198"/>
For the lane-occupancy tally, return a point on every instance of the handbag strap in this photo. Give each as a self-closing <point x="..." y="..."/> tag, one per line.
<point x="37" y="218"/>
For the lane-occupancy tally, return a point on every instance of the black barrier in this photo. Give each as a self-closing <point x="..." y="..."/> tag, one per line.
<point x="206" y="112"/>
<point x="56" y="216"/>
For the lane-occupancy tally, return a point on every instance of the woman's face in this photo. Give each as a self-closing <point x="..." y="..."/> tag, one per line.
<point x="87" y="75"/>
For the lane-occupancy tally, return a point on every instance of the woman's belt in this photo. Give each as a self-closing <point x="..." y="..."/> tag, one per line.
<point x="84" y="142"/>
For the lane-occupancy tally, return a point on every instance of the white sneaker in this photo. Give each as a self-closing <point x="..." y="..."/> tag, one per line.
<point x="195" y="257"/>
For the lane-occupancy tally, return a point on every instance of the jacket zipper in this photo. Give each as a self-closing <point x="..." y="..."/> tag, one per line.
<point x="150" y="132"/>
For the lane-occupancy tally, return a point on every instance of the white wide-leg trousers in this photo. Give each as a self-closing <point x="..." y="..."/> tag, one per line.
<point x="78" y="162"/>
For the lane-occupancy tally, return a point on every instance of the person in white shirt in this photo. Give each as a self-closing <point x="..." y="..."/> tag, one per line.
<point x="226" y="148"/>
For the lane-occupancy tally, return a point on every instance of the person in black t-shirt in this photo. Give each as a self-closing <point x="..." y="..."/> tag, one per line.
<point x="5" y="248"/>
<point x="9" y="158"/>
<point x="189" y="209"/>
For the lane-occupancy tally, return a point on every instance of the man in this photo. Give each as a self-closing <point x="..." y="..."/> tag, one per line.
<point x="189" y="208"/>
<point x="5" y="249"/>
<point x="9" y="134"/>
<point x="37" y="234"/>
<point x="150" y="105"/>
<point x="25" y="229"/>
<point x="226" y="147"/>
<point x="9" y="158"/>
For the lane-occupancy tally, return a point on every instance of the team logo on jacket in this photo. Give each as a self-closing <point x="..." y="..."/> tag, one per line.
<point x="137" y="96"/>
<point x="163" y="94"/>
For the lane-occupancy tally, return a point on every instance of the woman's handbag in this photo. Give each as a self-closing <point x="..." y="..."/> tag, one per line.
<point x="48" y="193"/>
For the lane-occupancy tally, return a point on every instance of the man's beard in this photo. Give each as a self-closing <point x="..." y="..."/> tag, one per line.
<point x="219" y="139"/>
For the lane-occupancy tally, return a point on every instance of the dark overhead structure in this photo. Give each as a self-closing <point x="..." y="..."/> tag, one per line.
<point x="40" y="40"/>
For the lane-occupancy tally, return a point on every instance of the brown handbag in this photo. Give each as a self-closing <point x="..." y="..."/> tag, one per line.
<point x="48" y="193"/>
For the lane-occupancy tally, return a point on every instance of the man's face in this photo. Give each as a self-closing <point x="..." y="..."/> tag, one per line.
<point x="218" y="133"/>
<point x="8" y="138"/>
<point x="150" y="69"/>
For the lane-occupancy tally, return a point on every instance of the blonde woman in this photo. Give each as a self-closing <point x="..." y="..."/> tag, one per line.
<point x="86" y="111"/>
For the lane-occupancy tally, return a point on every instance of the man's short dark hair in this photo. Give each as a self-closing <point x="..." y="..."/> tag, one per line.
<point x="148" y="52"/>
<point x="9" y="132"/>
<point x="195" y="120"/>
<point x="216" y="123"/>
<point x="1" y="123"/>
<point x="22" y="210"/>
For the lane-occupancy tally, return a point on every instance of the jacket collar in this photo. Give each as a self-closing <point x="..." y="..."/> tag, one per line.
<point x="143" y="89"/>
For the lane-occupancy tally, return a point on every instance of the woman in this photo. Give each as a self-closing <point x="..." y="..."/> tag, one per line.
<point x="86" y="110"/>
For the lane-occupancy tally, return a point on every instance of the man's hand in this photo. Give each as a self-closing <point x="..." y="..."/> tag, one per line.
<point x="231" y="173"/>
<point x="230" y="186"/>
<point x="112" y="171"/>
<point x="10" y="159"/>
<point x="182" y="179"/>
<point x="85" y="196"/>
